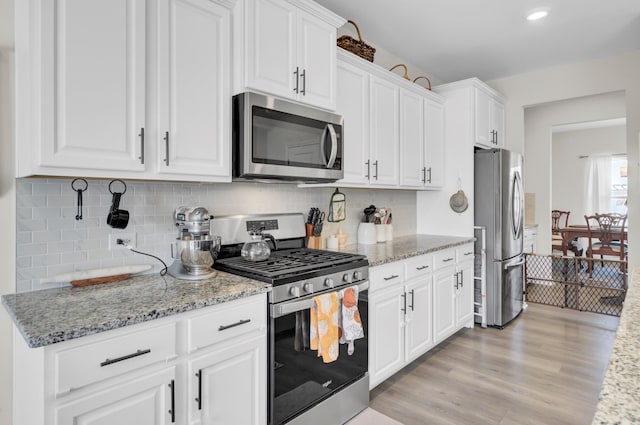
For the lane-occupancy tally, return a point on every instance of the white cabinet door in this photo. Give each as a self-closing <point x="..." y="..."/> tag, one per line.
<point x="497" y="119"/>
<point x="434" y="145"/>
<point x="412" y="139"/>
<point x="271" y="47"/>
<point x="353" y="105"/>
<point x="316" y="61"/>
<point x="465" y="295"/>
<point x="444" y="296"/>
<point x="146" y="400"/>
<point x="89" y="104"/>
<point x="386" y="334"/>
<point x="484" y="126"/>
<point x="228" y="385"/>
<point x="194" y="95"/>
<point x="419" y="317"/>
<point x="384" y="97"/>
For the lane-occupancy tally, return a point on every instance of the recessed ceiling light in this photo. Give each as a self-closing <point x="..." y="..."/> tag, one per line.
<point x="537" y="14"/>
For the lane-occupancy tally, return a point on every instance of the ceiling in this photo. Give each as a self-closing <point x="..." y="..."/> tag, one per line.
<point x="457" y="39"/>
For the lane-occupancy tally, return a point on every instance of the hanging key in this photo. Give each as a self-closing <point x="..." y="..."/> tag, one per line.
<point x="79" y="189"/>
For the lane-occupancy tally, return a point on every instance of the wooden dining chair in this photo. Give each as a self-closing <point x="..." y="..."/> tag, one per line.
<point x="559" y="219"/>
<point x="606" y="237"/>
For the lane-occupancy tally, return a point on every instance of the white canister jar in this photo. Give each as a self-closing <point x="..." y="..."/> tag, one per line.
<point x="388" y="231"/>
<point x="332" y="242"/>
<point x="366" y="234"/>
<point x="381" y="233"/>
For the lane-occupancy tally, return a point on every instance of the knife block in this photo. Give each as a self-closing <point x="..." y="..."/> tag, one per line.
<point x="314" y="242"/>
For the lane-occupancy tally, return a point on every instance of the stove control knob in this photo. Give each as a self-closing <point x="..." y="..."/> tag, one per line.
<point x="307" y="287"/>
<point x="357" y="275"/>
<point x="346" y="277"/>
<point x="328" y="282"/>
<point x="295" y="291"/>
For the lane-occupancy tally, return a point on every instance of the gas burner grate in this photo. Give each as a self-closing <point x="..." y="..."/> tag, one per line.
<point x="292" y="261"/>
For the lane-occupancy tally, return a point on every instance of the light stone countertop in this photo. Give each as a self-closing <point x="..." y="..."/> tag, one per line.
<point x="53" y="315"/>
<point x="619" y="401"/>
<point x="405" y="247"/>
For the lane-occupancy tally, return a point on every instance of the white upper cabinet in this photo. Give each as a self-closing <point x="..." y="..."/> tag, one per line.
<point x="393" y="131"/>
<point x="80" y="75"/>
<point x="100" y="84"/>
<point x="489" y="119"/>
<point x="194" y="96"/>
<point x="288" y="49"/>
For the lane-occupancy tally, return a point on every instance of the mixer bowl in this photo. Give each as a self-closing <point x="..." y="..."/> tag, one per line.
<point x="198" y="255"/>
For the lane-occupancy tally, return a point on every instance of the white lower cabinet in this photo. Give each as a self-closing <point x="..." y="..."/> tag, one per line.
<point x="415" y="304"/>
<point x="400" y="309"/>
<point x="145" y="400"/>
<point x="201" y="367"/>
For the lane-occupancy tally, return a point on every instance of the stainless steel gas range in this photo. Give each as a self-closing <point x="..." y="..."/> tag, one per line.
<point x="302" y="388"/>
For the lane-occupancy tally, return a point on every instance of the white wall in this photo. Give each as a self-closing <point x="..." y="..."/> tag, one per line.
<point x="569" y="164"/>
<point x="7" y="204"/>
<point x="618" y="73"/>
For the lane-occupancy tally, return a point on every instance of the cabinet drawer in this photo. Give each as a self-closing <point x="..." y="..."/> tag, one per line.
<point x="444" y="258"/>
<point x="386" y="275"/>
<point x="464" y="253"/>
<point x="226" y="321"/>
<point x="107" y="357"/>
<point x="419" y="266"/>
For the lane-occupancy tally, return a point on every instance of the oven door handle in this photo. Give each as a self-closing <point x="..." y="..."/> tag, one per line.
<point x="279" y="310"/>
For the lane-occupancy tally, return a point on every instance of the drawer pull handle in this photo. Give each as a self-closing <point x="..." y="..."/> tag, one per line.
<point x="241" y="322"/>
<point x="422" y="267"/>
<point x="107" y="362"/>
<point x="199" y="398"/>
<point x="468" y="253"/>
<point x="393" y="276"/>
<point x="446" y="260"/>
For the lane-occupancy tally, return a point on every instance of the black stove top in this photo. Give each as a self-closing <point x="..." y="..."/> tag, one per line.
<point x="284" y="266"/>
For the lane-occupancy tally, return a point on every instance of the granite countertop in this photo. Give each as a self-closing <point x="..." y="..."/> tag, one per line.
<point x="54" y="315"/>
<point x="405" y="247"/>
<point x="619" y="397"/>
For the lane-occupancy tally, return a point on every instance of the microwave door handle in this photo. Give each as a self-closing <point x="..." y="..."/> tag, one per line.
<point x="322" y="142"/>
<point x="334" y="146"/>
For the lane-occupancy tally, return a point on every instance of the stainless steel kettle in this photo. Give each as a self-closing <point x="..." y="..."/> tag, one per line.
<point x="257" y="248"/>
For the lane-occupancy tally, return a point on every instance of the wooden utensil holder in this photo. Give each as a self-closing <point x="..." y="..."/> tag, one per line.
<point x="314" y="242"/>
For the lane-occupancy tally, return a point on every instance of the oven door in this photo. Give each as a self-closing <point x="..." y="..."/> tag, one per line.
<point x="277" y="139"/>
<point x="299" y="379"/>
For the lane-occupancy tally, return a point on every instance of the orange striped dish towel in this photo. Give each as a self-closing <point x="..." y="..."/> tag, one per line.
<point x="324" y="326"/>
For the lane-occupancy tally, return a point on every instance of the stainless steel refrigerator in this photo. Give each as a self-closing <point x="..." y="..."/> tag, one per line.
<point x="499" y="207"/>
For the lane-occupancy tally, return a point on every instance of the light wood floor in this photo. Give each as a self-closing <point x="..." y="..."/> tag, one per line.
<point x="546" y="367"/>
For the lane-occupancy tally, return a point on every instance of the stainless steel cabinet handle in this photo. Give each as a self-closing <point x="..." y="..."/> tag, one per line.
<point x="199" y="398"/>
<point x="297" y="74"/>
<point x="233" y="325"/>
<point x="462" y="278"/>
<point x="424" y="174"/>
<point x="304" y="82"/>
<point x="172" y="411"/>
<point x="368" y="176"/>
<point x="422" y="267"/>
<point x="141" y="135"/>
<point x="166" y="147"/>
<point x="468" y="253"/>
<point x="429" y="171"/>
<point x="375" y="164"/>
<point x="107" y="362"/>
<point x="446" y="260"/>
<point x="404" y="303"/>
<point x="393" y="276"/>
<point x="412" y="299"/>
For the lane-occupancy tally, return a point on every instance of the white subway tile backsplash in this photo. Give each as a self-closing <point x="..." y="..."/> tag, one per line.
<point x="47" y="231"/>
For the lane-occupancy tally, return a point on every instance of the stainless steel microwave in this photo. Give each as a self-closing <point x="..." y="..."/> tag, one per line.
<point x="281" y="140"/>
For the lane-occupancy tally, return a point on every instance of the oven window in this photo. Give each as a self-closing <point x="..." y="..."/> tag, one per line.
<point x="280" y="138"/>
<point x="300" y="378"/>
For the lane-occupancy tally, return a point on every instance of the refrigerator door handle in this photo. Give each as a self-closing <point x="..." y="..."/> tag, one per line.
<point x="516" y="211"/>
<point x="519" y="262"/>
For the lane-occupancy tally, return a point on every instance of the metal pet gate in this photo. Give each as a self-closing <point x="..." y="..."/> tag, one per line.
<point x="579" y="283"/>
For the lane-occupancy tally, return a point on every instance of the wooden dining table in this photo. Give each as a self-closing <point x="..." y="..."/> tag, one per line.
<point x="569" y="233"/>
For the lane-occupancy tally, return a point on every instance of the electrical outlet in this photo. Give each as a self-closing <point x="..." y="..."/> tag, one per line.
<point x="128" y="239"/>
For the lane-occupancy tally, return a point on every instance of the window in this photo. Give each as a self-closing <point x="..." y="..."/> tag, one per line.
<point x="618" y="199"/>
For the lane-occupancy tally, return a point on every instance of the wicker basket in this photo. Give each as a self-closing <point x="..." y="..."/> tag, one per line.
<point x="357" y="47"/>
